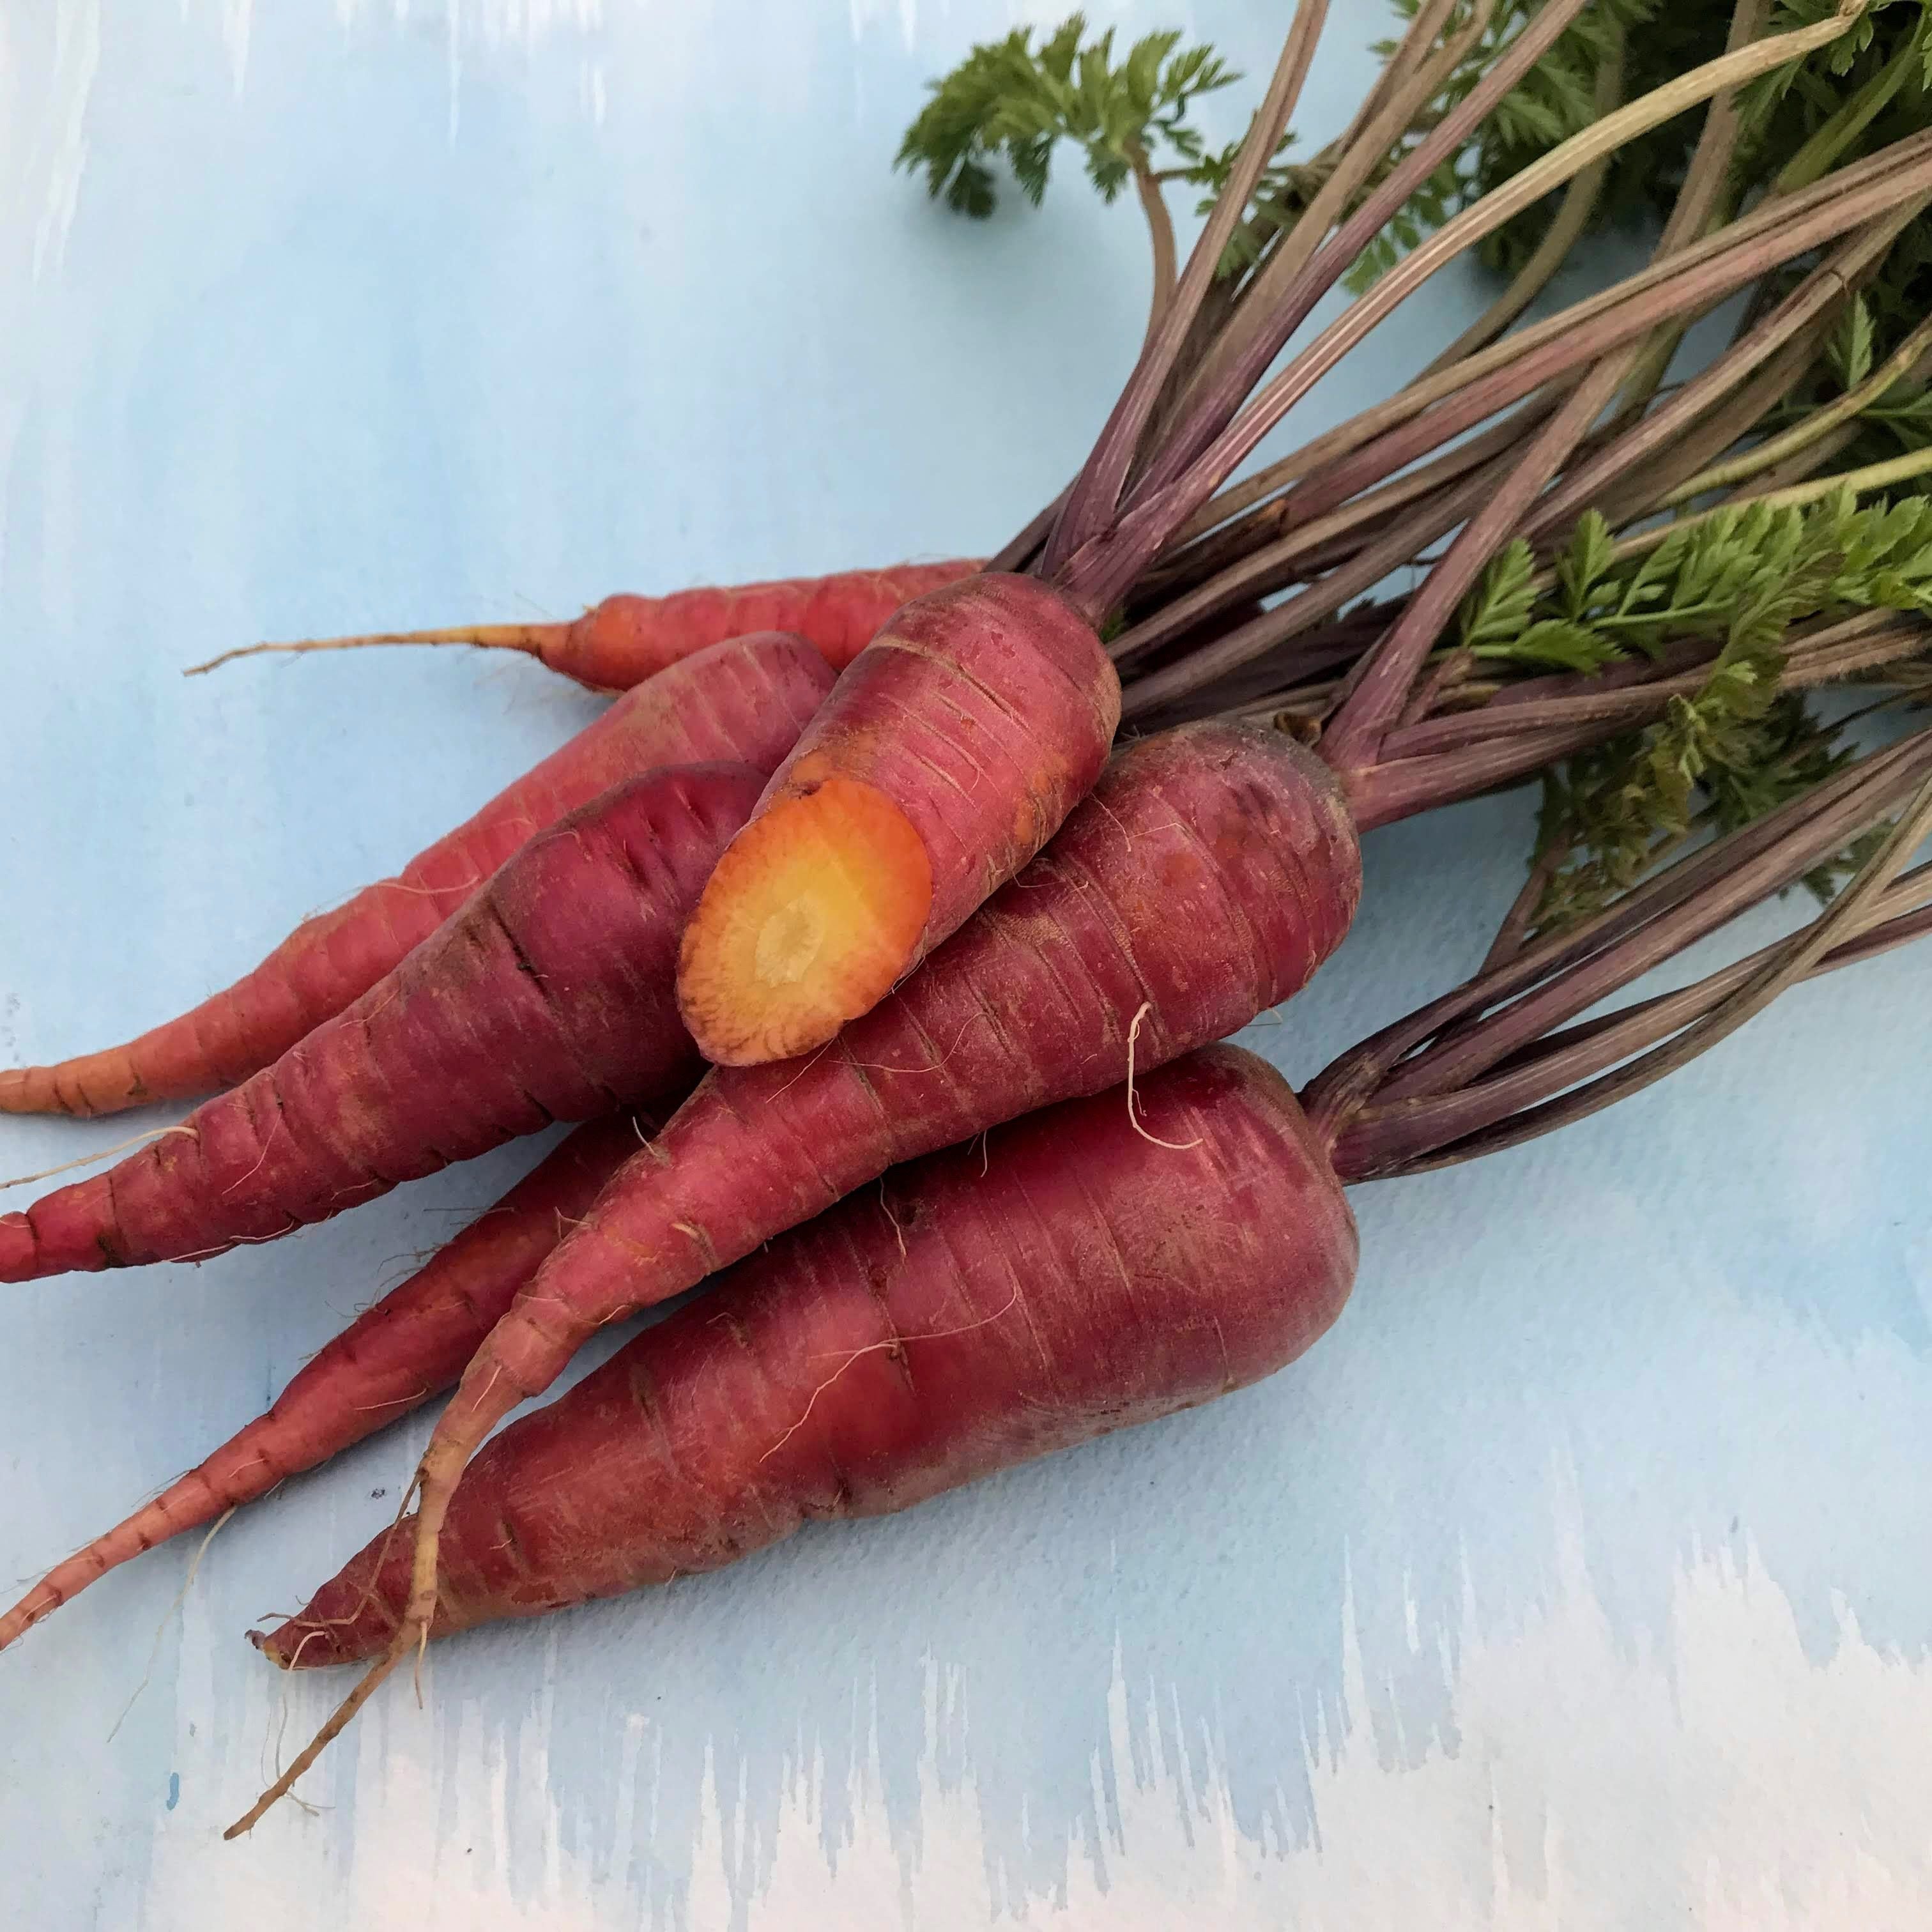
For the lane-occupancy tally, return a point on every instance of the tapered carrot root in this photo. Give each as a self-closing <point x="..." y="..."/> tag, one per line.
<point x="550" y="997"/>
<point x="1074" y="1276"/>
<point x="619" y="642"/>
<point x="950" y="751"/>
<point x="409" y="1346"/>
<point x="745" y="701"/>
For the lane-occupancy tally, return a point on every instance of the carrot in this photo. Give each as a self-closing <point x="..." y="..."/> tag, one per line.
<point x="625" y="639"/>
<point x="744" y="701"/>
<point x="951" y="750"/>
<point x="1098" y="1264"/>
<point x="550" y="997"/>
<point x="409" y="1346"/>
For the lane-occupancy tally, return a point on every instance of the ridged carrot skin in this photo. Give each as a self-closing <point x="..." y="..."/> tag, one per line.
<point x="951" y="750"/>
<point x="1209" y="874"/>
<point x="550" y="997"/>
<point x="1074" y="1277"/>
<point x="745" y="701"/>
<point x="395" y="1355"/>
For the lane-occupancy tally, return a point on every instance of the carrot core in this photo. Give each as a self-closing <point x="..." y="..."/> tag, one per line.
<point x="814" y="911"/>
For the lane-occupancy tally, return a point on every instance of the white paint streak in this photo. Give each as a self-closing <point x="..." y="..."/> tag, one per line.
<point x="866" y="15"/>
<point x="1754" y="1791"/>
<point x="493" y="24"/>
<point x="236" y="17"/>
<point x="495" y="27"/>
<point x="57" y="154"/>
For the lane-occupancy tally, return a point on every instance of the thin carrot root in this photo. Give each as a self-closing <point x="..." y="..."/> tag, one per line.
<point x="160" y="1629"/>
<point x="538" y="640"/>
<point x="403" y="1349"/>
<point x="618" y="643"/>
<point x="344" y="1717"/>
<point x="435" y="1487"/>
<point x="94" y="1159"/>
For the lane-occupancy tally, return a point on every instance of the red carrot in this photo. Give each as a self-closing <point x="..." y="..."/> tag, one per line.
<point x="626" y="638"/>
<point x="1096" y="1265"/>
<point x="409" y="1346"/>
<point x="744" y="701"/>
<point x="548" y="997"/>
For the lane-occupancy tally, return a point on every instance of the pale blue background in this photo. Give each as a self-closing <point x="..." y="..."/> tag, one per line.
<point x="1581" y="1576"/>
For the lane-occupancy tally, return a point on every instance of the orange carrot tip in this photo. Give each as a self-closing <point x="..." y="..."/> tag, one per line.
<point x="393" y="1357"/>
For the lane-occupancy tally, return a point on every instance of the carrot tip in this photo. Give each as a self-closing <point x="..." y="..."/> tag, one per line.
<point x="814" y="913"/>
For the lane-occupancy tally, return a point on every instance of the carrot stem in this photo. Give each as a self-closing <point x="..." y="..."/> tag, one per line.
<point x="1097" y="488"/>
<point x="1839" y="928"/>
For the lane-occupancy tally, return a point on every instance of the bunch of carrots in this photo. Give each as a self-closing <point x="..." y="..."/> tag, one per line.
<point x="886" y="974"/>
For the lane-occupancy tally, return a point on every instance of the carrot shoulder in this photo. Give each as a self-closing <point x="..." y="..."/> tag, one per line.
<point x="550" y="997"/>
<point x="1097" y="1265"/>
<point x="744" y="701"/>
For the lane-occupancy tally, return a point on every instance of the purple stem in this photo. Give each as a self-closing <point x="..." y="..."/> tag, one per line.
<point x="1825" y="287"/>
<point x="1216" y="407"/>
<point x="1348" y="1082"/>
<point x="1354" y="739"/>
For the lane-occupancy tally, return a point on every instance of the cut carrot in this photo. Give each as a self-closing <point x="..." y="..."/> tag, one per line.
<point x="947" y="755"/>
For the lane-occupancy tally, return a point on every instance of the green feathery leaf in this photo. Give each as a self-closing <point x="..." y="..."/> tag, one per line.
<point x="1850" y="351"/>
<point x="1013" y="100"/>
<point x="1744" y="576"/>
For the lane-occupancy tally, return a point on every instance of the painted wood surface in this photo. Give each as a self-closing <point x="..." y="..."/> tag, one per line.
<point x="1579" y="1578"/>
